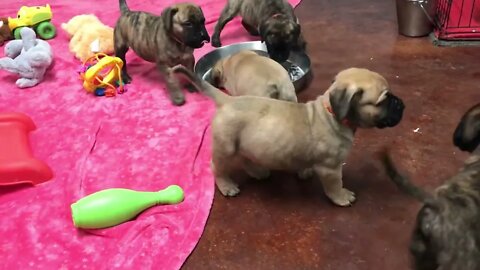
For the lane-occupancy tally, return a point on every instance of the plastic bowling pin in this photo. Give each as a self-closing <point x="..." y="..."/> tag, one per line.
<point x="113" y="206"/>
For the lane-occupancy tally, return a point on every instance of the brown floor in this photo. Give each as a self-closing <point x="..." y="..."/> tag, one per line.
<point x="284" y="223"/>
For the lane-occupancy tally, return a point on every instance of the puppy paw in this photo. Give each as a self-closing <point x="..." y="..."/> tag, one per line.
<point x="191" y="88"/>
<point x="228" y="189"/>
<point x="126" y="78"/>
<point x="306" y="174"/>
<point x="178" y="100"/>
<point x="216" y="41"/>
<point x="344" y="197"/>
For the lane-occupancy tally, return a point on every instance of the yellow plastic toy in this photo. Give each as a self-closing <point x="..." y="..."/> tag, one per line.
<point x="36" y="17"/>
<point x="102" y="75"/>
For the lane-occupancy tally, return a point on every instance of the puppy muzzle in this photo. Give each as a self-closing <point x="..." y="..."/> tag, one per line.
<point x="279" y="54"/>
<point x="465" y="144"/>
<point x="394" y="112"/>
<point x="197" y="39"/>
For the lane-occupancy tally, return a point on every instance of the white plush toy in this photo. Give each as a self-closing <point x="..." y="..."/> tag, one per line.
<point x="29" y="58"/>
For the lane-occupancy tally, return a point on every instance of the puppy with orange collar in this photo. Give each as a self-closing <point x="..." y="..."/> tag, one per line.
<point x="260" y="134"/>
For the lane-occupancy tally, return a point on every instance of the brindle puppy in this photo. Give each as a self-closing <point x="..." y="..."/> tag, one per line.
<point x="167" y="40"/>
<point x="273" y="20"/>
<point x="447" y="231"/>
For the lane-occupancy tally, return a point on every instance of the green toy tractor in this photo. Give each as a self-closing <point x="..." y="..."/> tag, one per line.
<point x="37" y="18"/>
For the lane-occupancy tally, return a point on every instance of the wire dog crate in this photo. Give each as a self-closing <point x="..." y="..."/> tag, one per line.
<point x="457" y="20"/>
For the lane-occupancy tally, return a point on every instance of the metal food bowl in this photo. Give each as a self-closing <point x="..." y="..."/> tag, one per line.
<point x="297" y="65"/>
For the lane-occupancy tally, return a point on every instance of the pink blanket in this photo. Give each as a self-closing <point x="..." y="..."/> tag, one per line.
<point x="137" y="140"/>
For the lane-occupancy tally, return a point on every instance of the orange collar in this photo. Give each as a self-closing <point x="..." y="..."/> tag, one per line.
<point x="344" y="122"/>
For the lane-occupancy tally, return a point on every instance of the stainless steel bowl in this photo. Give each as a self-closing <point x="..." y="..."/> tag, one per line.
<point x="298" y="63"/>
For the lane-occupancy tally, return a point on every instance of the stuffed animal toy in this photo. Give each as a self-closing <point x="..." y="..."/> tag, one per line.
<point x="5" y="32"/>
<point x="88" y="36"/>
<point x="28" y="57"/>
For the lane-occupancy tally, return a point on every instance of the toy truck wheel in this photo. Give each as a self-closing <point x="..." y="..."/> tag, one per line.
<point x="46" y="30"/>
<point x="16" y="33"/>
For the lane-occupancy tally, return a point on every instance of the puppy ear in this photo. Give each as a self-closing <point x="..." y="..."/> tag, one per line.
<point x="341" y="101"/>
<point x="467" y="133"/>
<point x="215" y="77"/>
<point x="382" y="97"/>
<point x="296" y="29"/>
<point x="167" y="17"/>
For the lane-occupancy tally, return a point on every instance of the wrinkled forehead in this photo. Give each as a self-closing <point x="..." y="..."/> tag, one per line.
<point x="374" y="86"/>
<point x="190" y="13"/>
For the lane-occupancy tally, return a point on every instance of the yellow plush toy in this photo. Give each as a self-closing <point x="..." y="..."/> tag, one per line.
<point x="88" y="36"/>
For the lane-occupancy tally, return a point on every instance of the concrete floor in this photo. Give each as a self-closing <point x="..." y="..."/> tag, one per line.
<point x="284" y="223"/>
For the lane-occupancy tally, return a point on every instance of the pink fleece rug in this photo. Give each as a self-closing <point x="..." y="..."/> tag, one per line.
<point x="137" y="140"/>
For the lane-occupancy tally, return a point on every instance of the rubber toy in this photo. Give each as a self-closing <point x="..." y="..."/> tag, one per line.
<point x="88" y="36"/>
<point x="37" y="18"/>
<point x="102" y="75"/>
<point x="5" y="32"/>
<point x="113" y="206"/>
<point x="17" y="164"/>
<point x="29" y="58"/>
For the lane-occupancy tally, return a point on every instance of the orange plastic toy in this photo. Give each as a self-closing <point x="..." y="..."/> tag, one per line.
<point x="102" y="75"/>
<point x="17" y="164"/>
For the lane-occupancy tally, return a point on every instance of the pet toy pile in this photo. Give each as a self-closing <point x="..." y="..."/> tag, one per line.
<point x="102" y="75"/>
<point x="90" y="41"/>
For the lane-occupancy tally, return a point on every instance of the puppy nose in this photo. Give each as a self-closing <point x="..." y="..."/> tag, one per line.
<point x="205" y="36"/>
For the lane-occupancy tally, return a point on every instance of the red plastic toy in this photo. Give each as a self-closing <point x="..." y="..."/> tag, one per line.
<point x="17" y="164"/>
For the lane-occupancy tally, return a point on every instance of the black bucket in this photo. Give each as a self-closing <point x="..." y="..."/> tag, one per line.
<point x="415" y="17"/>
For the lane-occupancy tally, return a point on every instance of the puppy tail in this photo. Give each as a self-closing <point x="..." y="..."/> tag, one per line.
<point x="123" y="6"/>
<point x="402" y="182"/>
<point x="201" y="85"/>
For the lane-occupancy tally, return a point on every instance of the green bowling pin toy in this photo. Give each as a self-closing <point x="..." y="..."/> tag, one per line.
<point x="113" y="206"/>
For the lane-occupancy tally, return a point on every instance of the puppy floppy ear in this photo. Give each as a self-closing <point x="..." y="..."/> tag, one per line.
<point x="467" y="133"/>
<point x="215" y="77"/>
<point x="296" y="30"/>
<point x="341" y="101"/>
<point x="167" y="17"/>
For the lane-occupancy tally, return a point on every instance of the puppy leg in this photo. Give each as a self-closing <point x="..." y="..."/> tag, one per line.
<point x="250" y="29"/>
<point x="255" y="171"/>
<point x="121" y="49"/>
<point x="226" y="185"/>
<point x="224" y="161"/>
<point x="333" y="186"/>
<point x="173" y="85"/>
<point x="228" y="13"/>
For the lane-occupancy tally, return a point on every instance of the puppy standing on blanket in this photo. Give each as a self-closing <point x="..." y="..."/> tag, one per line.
<point x="261" y="134"/>
<point x="447" y="230"/>
<point x="273" y="20"/>
<point x="166" y="40"/>
<point x="247" y="73"/>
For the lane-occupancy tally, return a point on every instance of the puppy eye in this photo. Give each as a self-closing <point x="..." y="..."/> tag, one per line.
<point x="187" y="24"/>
